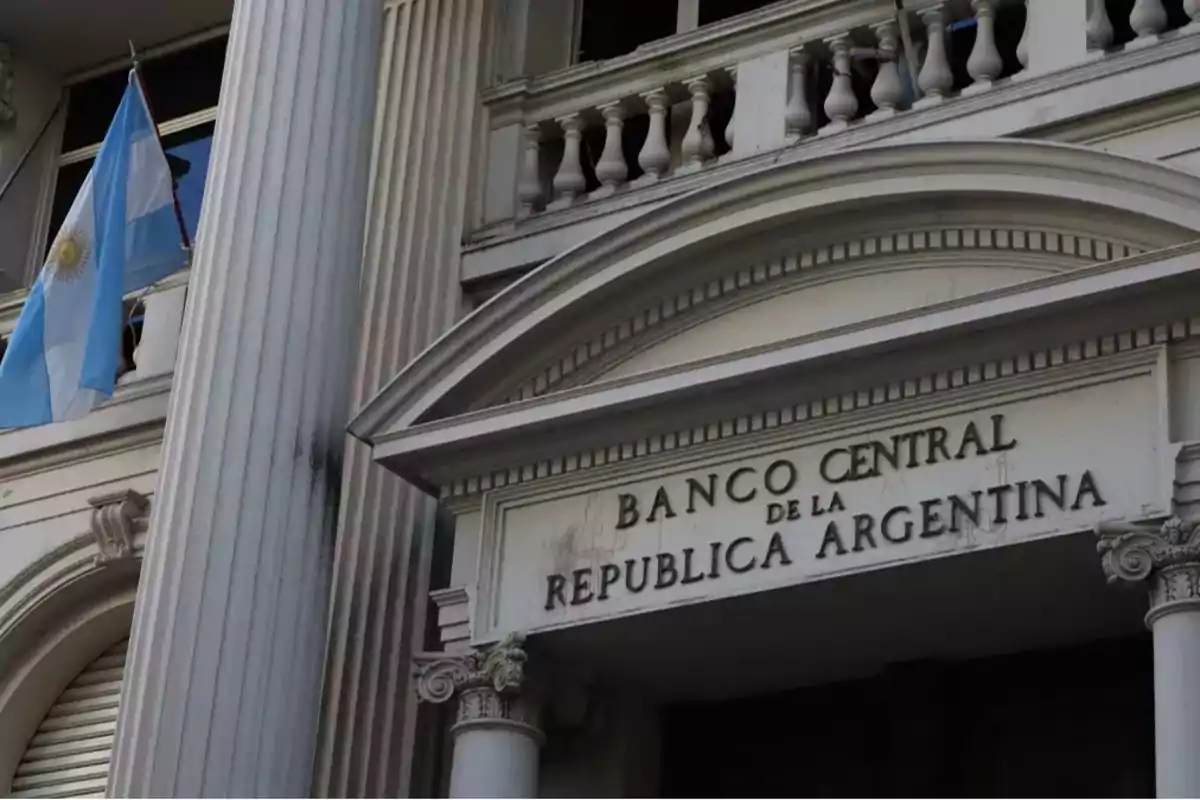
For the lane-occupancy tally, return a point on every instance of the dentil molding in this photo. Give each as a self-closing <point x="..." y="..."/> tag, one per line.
<point x="1167" y="555"/>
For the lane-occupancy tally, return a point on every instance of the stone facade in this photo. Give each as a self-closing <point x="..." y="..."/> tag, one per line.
<point x="681" y="374"/>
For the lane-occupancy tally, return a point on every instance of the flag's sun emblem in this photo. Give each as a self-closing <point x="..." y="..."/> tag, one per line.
<point x="68" y="254"/>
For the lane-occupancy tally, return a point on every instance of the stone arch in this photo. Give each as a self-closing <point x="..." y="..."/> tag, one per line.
<point x="56" y="618"/>
<point x="654" y="249"/>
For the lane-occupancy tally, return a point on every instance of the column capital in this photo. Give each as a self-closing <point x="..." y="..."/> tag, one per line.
<point x="499" y="667"/>
<point x="487" y="682"/>
<point x="1165" y="554"/>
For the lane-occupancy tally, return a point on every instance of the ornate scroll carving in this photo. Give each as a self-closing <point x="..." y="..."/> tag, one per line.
<point x="486" y="681"/>
<point x="500" y="667"/>
<point x="115" y="519"/>
<point x="1168" y="555"/>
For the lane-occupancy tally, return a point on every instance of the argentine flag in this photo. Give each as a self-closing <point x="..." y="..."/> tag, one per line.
<point x="121" y="234"/>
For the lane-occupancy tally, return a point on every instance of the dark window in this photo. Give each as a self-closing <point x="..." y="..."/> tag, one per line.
<point x="176" y="85"/>
<point x="717" y="10"/>
<point x="611" y="28"/>
<point x="187" y="152"/>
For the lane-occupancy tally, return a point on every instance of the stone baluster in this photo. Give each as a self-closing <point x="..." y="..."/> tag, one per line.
<point x="569" y="181"/>
<point x="529" y="188"/>
<point x="1148" y="18"/>
<point x="611" y="170"/>
<point x="840" y="104"/>
<point x="696" y="147"/>
<point x="1192" y="9"/>
<point x="162" y="324"/>
<point x="495" y="734"/>
<point x="729" y="127"/>
<point x="1023" y="45"/>
<point x="935" y="78"/>
<point x="799" y="116"/>
<point x="655" y="155"/>
<point x="887" y="90"/>
<point x="984" y="63"/>
<point x="1099" y="27"/>
<point x="1166" y="559"/>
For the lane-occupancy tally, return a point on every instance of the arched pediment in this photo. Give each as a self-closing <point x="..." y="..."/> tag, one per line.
<point x="790" y="253"/>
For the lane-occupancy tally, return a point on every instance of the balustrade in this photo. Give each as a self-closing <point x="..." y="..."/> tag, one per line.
<point x="855" y="77"/>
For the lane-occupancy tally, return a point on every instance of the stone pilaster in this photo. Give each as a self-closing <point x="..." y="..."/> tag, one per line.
<point x="495" y="733"/>
<point x="222" y="692"/>
<point x="1166" y="558"/>
<point x="426" y="126"/>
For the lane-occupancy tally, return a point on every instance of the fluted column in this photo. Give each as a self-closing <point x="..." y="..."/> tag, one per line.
<point x="374" y="739"/>
<point x="495" y="734"/>
<point x="1167" y="559"/>
<point x="223" y="688"/>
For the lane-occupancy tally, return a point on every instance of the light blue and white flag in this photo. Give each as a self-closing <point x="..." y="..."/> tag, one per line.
<point x="121" y="234"/>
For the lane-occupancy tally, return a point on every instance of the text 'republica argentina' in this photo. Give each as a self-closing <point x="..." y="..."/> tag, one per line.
<point x="774" y="489"/>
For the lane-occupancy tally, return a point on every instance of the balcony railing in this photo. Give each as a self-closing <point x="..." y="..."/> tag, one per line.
<point x="776" y="77"/>
<point x="150" y="341"/>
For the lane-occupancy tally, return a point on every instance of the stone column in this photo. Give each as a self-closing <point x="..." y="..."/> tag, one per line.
<point x="495" y="735"/>
<point x="222" y="692"/>
<point x="1167" y="558"/>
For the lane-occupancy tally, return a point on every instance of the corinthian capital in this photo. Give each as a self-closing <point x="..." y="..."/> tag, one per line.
<point x="1166" y="555"/>
<point x="499" y="667"/>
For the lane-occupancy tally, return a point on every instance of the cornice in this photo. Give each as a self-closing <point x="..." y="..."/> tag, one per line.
<point x="645" y="244"/>
<point x="96" y="436"/>
<point x="520" y="425"/>
<point x="984" y="381"/>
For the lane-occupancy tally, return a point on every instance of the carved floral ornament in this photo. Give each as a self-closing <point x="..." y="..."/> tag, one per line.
<point x="1167" y="554"/>
<point x="500" y="667"/>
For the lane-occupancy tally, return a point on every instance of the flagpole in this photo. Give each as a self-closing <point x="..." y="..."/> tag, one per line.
<point x="137" y="73"/>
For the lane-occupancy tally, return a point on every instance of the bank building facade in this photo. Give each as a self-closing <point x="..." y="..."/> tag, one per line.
<point x="601" y="398"/>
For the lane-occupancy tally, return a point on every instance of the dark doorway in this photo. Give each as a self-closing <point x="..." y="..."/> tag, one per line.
<point x="1067" y="722"/>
